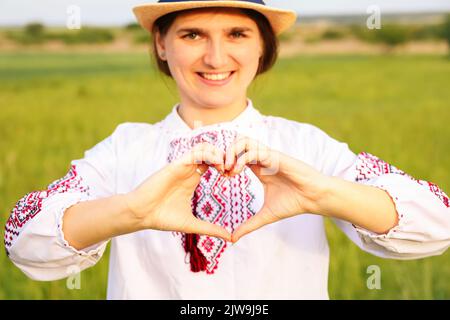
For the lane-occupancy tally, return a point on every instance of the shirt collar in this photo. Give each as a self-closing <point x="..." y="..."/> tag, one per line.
<point x="173" y="124"/>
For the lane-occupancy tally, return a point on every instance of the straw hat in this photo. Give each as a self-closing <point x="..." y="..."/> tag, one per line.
<point x="147" y="14"/>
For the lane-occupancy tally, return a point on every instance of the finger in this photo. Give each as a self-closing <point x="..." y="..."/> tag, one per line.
<point x="250" y="156"/>
<point x="211" y="155"/>
<point x="255" y="157"/>
<point x="200" y="156"/>
<point x="219" y="158"/>
<point x="230" y="156"/>
<point x="241" y="145"/>
<point x="259" y="220"/>
<point x="199" y="226"/>
<point x="203" y="168"/>
<point x="194" y="157"/>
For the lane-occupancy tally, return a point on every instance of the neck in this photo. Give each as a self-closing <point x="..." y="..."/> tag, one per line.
<point x="199" y="116"/>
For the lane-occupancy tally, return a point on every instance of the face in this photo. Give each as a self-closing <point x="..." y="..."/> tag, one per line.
<point x="213" y="56"/>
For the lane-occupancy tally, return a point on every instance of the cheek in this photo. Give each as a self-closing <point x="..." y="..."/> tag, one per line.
<point x="182" y="59"/>
<point x="248" y="62"/>
<point x="248" y="56"/>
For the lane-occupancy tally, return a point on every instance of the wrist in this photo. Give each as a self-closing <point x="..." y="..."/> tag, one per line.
<point x="131" y="221"/>
<point x="323" y="193"/>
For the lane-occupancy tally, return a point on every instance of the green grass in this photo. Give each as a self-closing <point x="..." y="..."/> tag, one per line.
<point x="55" y="106"/>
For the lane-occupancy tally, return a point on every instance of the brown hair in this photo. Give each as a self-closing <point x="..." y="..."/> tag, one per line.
<point x="270" y="40"/>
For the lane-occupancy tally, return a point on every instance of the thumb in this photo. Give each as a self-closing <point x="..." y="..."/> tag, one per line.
<point x="199" y="226"/>
<point x="262" y="218"/>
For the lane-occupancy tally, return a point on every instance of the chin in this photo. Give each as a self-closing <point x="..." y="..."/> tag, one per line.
<point x="215" y="100"/>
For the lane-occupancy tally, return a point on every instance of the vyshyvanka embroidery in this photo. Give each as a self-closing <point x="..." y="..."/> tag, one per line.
<point x="217" y="199"/>
<point x="369" y="166"/>
<point x="31" y="204"/>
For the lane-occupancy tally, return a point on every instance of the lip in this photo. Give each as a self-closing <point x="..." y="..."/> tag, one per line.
<point x="216" y="83"/>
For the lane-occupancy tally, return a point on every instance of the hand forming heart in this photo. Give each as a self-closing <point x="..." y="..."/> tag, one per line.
<point x="163" y="201"/>
<point x="291" y="187"/>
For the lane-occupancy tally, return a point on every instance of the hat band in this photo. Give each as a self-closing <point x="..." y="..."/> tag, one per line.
<point x="253" y="1"/>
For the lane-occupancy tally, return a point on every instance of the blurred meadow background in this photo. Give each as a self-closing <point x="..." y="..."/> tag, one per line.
<point x="382" y="91"/>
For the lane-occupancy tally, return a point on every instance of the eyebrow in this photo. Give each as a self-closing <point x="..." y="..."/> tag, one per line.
<point x="204" y="31"/>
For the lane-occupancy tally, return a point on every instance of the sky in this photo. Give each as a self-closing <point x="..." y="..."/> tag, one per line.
<point x="118" y="12"/>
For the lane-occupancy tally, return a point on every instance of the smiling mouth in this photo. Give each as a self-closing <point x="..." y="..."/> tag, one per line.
<point x="216" y="76"/>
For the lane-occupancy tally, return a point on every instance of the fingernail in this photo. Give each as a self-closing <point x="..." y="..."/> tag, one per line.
<point x="229" y="163"/>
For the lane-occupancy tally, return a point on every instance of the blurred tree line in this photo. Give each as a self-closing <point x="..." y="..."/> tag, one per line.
<point x="389" y="34"/>
<point x="396" y="34"/>
<point x="36" y="33"/>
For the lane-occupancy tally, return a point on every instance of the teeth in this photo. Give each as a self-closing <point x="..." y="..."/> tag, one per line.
<point x="216" y="76"/>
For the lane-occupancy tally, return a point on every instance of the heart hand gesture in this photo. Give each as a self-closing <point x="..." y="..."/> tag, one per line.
<point x="291" y="187"/>
<point x="163" y="201"/>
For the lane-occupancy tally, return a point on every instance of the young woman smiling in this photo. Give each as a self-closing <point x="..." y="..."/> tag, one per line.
<point x="216" y="171"/>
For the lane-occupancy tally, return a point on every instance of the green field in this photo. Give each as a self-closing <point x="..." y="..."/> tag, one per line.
<point x="55" y="106"/>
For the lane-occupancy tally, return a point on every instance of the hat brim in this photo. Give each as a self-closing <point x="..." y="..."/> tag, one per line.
<point x="147" y="14"/>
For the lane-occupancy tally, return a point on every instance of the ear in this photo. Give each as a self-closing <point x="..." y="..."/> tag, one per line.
<point x="160" y="46"/>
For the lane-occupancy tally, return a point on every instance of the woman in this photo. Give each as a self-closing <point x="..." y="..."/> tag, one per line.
<point x="218" y="201"/>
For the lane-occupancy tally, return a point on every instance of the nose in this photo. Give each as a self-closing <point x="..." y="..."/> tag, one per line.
<point x="216" y="54"/>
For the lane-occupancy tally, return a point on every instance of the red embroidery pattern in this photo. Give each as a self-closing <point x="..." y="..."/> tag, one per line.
<point x="31" y="204"/>
<point x="370" y="166"/>
<point x="219" y="200"/>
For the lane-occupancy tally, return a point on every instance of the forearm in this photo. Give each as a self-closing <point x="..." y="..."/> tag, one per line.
<point x="91" y="222"/>
<point x="365" y="206"/>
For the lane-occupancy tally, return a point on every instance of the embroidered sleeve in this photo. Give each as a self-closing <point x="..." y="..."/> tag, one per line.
<point x="31" y="204"/>
<point x="422" y="206"/>
<point x="34" y="238"/>
<point x="369" y="166"/>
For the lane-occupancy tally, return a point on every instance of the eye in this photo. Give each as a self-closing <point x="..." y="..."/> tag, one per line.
<point x="238" y="34"/>
<point x="191" y="36"/>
